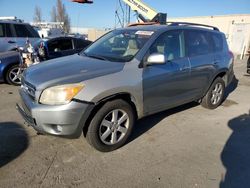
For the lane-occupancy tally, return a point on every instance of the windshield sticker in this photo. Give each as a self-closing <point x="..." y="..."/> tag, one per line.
<point x="147" y="33"/>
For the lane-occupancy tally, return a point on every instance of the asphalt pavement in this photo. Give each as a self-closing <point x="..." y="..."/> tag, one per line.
<point x="185" y="147"/>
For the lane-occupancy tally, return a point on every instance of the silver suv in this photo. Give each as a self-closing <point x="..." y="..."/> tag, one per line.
<point x="125" y="75"/>
<point x="14" y="33"/>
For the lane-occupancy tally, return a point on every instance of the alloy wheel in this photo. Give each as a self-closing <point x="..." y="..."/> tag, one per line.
<point x="114" y="127"/>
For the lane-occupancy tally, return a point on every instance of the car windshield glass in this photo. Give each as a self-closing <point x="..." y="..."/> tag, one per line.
<point x="118" y="45"/>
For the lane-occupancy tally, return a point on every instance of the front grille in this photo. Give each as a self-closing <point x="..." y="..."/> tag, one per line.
<point x="29" y="89"/>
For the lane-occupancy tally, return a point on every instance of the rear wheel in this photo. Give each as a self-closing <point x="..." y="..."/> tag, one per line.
<point x="215" y="94"/>
<point x="13" y="75"/>
<point x="111" y="126"/>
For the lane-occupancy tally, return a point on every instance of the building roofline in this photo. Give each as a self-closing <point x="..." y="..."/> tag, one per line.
<point x="211" y="16"/>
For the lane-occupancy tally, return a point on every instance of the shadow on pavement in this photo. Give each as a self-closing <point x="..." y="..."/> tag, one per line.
<point x="236" y="154"/>
<point x="13" y="142"/>
<point x="145" y="124"/>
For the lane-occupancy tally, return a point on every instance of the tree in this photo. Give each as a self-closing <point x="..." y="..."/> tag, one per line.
<point x="53" y="14"/>
<point x="67" y="23"/>
<point x="37" y="14"/>
<point x="62" y="16"/>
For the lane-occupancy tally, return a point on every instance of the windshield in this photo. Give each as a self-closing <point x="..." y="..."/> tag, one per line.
<point x="118" y="45"/>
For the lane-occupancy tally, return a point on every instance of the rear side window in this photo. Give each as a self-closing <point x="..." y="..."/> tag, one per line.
<point x="23" y="31"/>
<point x="217" y="42"/>
<point x="197" y="43"/>
<point x="8" y="30"/>
<point x="80" y="44"/>
<point x="60" y="45"/>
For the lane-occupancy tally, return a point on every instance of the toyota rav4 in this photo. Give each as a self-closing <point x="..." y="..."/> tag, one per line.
<point x="125" y="75"/>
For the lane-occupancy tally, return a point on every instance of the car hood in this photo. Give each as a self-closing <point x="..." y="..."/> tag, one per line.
<point x="70" y="69"/>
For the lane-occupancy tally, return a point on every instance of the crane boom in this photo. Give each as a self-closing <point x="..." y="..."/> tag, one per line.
<point x="142" y="8"/>
<point x="146" y="11"/>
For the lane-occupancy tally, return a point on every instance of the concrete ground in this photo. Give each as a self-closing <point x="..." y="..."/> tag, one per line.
<point x="188" y="146"/>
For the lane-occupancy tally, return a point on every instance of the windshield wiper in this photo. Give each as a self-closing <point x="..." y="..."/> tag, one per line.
<point x="96" y="56"/>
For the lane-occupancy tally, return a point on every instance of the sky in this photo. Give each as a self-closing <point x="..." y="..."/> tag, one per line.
<point x="101" y="14"/>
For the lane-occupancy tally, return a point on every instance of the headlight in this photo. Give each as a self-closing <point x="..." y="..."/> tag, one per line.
<point x="59" y="95"/>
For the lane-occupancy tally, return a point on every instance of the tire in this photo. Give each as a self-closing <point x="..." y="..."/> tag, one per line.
<point x="105" y="133"/>
<point x="13" y="75"/>
<point x="214" y="95"/>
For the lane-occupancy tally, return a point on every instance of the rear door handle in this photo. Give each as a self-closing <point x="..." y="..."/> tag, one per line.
<point x="11" y="42"/>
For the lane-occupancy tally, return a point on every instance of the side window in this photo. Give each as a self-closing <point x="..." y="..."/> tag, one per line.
<point x="60" y="45"/>
<point x="66" y="44"/>
<point x="8" y="31"/>
<point x="5" y="30"/>
<point x="2" y="30"/>
<point x="22" y="31"/>
<point x="170" y="44"/>
<point x="80" y="44"/>
<point x="217" y="42"/>
<point x="197" y="43"/>
<point x="32" y="31"/>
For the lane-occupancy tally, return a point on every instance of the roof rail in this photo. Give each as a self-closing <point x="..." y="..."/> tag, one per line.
<point x="143" y="24"/>
<point x="11" y="18"/>
<point x="192" y="24"/>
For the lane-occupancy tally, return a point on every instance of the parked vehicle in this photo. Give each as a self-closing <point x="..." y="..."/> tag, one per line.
<point x="14" y="33"/>
<point x="10" y="70"/>
<point x="60" y="46"/>
<point x="125" y="75"/>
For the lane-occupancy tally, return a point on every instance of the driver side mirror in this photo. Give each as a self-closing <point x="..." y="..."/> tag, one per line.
<point x="156" y="58"/>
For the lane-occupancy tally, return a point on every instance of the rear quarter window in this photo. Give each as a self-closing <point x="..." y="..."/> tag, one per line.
<point x="217" y="42"/>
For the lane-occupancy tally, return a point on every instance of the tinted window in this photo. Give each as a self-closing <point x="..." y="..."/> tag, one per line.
<point x="217" y="42"/>
<point x="171" y="44"/>
<point x="197" y="43"/>
<point x="2" y="30"/>
<point x="22" y="31"/>
<point x="5" y="30"/>
<point x="33" y="31"/>
<point x="80" y="43"/>
<point x="60" y="45"/>
<point x="8" y="30"/>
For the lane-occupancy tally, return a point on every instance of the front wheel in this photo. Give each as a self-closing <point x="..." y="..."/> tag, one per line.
<point x="214" y="95"/>
<point x="111" y="126"/>
<point x="13" y="75"/>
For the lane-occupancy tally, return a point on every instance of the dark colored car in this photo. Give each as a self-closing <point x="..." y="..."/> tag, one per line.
<point x="10" y="67"/>
<point x="60" y="46"/>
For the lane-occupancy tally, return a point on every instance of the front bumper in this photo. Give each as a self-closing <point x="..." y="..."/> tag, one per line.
<point x="64" y="120"/>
